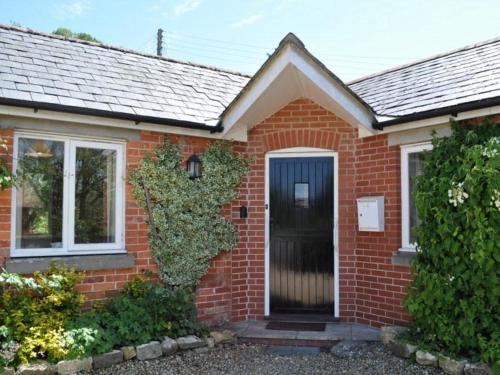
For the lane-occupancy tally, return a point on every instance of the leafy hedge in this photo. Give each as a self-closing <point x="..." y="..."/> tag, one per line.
<point x="41" y="317"/>
<point x="455" y="297"/>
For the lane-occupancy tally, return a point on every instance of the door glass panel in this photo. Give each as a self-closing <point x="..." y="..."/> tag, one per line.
<point x="39" y="198"/>
<point x="302" y="195"/>
<point x="95" y="201"/>
<point x="415" y="169"/>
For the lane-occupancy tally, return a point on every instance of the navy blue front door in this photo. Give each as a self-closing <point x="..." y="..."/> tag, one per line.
<point x="301" y="234"/>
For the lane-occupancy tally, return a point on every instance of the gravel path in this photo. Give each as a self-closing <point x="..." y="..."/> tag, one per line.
<point x="370" y="358"/>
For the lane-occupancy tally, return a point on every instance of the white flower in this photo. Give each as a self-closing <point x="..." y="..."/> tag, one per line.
<point x="491" y="148"/>
<point x="489" y="153"/>
<point x="495" y="199"/>
<point x="457" y="194"/>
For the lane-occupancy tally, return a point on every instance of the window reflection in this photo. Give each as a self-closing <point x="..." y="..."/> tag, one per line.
<point x="415" y="164"/>
<point x="95" y="199"/>
<point x="302" y="195"/>
<point x="39" y="200"/>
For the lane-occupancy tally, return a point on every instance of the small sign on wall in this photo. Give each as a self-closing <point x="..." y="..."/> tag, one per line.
<point x="371" y="214"/>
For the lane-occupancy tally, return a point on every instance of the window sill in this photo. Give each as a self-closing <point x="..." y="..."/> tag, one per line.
<point x="78" y="262"/>
<point x="403" y="257"/>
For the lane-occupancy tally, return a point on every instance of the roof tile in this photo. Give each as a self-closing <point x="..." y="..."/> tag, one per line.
<point x="462" y="76"/>
<point x="45" y="68"/>
<point x="106" y="78"/>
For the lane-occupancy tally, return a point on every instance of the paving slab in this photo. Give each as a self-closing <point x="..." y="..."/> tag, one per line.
<point x="290" y="351"/>
<point x="256" y="330"/>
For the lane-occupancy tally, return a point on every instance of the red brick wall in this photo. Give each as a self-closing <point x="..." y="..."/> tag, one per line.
<point x="214" y="292"/>
<point x="371" y="288"/>
<point x="380" y="285"/>
<point x="5" y="199"/>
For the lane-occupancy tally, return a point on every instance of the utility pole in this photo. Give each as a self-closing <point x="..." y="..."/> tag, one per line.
<point x="159" y="42"/>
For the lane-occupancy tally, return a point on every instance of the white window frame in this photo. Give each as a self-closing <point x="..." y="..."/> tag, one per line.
<point x="405" y="193"/>
<point x="68" y="246"/>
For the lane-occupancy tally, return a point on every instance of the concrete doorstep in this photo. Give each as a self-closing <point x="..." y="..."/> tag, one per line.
<point x="255" y="332"/>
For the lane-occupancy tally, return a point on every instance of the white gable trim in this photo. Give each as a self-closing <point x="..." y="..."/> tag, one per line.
<point x="360" y="114"/>
<point x="347" y="106"/>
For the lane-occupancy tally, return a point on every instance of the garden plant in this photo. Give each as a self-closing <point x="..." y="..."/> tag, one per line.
<point x="187" y="228"/>
<point x="41" y="317"/>
<point x="455" y="297"/>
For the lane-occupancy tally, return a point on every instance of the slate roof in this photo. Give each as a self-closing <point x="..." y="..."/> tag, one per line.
<point x="466" y="75"/>
<point x="39" y="67"/>
<point x="44" y="69"/>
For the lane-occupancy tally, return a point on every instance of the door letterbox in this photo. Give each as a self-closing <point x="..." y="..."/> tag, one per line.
<point x="371" y="214"/>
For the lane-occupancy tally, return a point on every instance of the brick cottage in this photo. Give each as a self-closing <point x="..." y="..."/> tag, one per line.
<point x="326" y="216"/>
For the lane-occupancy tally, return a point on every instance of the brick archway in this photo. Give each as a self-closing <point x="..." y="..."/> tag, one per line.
<point x="289" y="138"/>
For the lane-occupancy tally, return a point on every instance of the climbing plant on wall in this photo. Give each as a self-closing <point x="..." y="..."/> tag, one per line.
<point x="186" y="225"/>
<point x="455" y="298"/>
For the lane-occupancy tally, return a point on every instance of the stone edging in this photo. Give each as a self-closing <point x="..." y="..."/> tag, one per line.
<point x="151" y="350"/>
<point x="389" y="336"/>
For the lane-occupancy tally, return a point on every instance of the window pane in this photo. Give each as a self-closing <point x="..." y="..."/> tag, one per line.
<point x="302" y="195"/>
<point x="414" y="169"/>
<point x="39" y="199"/>
<point x="95" y="199"/>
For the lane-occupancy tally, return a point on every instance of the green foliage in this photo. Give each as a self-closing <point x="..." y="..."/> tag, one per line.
<point x="8" y="347"/>
<point x="67" y="33"/>
<point x="144" y="312"/>
<point x="40" y="317"/>
<point x="455" y="297"/>
<point x="33" y="311"/>
<point x="186" y="225"/>
<point x="5" y="173"/>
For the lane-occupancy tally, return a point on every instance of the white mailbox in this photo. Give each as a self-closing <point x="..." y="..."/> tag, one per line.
<point x="371" y="214"/>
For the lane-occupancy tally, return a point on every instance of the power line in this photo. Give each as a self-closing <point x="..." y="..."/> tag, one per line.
<point x="210" y="57"/>
<point x="252" y="55"/>
<point x="200" y="45"/>
<point x="249" y="51"/>
<point x="144" y="46"/>
<point x="221" y="41"/>
<point x="249" y="47"/>
<point x="236" y="57"/>
<point x="255" y="65"/>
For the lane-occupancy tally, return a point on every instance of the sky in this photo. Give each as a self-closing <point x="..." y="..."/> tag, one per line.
<point x="353" y="38"/>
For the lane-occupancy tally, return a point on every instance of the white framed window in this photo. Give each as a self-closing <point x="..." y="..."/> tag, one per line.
<point x="411" y="166"/>
<point x="71" y="198"/>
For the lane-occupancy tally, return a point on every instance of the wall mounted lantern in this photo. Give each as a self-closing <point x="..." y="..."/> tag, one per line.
<point x="193" y="166"/>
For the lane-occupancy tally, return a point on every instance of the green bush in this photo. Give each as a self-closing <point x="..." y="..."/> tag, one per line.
<point x="41" y="317"/>
<point x="33" y="311"/>
<point x="143" y="312"/>
<point x="455" y="297"/>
